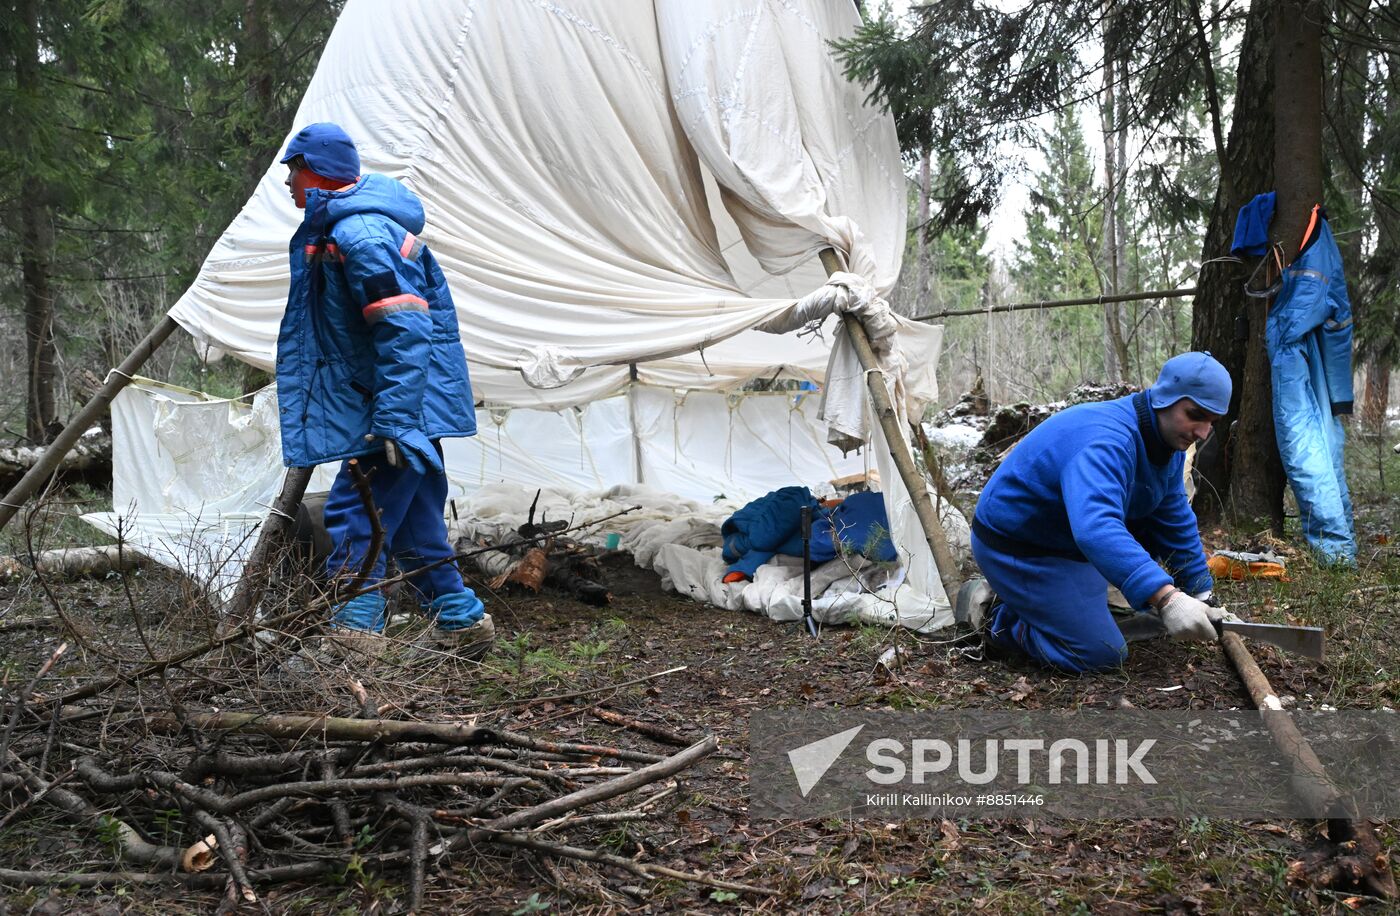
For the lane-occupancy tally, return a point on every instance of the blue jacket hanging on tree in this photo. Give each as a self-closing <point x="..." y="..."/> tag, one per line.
<point x="1309" y="334"/>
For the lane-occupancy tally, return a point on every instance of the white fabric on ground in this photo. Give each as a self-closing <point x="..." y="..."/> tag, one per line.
<point x="680" y="540"/>
<point x="195" y="475"/>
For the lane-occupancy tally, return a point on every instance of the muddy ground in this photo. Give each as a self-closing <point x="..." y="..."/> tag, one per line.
<point x="736" y="663"/>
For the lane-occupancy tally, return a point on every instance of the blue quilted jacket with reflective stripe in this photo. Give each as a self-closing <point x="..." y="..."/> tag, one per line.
<point x="369" y="341"/>
<point x="1309" y="338"/>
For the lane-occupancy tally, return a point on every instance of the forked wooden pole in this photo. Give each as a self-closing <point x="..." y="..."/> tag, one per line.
<point x="1352" y="833"/>
<point x="899" y="446"/>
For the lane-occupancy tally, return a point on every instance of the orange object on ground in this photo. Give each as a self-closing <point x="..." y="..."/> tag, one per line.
<point x="735" y="577"/>
<point x="1230" y="568"/>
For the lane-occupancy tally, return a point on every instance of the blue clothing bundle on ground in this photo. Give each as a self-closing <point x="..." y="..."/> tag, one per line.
<point x="772" y="524"/>
<point x="369" y="341"/>
<point x="1309" y="337"/>
<point x="369" y="345"/>
<point x="1090" y="497"/>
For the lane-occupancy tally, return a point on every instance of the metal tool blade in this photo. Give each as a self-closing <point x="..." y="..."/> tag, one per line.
<point x="1303" y="640"/>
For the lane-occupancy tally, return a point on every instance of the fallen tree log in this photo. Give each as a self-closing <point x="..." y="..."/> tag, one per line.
<point x="72" y="562"/>
<point x="89" y="459"/>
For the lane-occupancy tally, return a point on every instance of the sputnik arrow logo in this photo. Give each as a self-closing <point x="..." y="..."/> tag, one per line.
<point x="811" y="761"/>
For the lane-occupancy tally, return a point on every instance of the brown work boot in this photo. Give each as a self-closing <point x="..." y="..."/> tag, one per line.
<point x="471" y="643"/>
<point x="338" y="649"/>
<point x="354" y="646"/>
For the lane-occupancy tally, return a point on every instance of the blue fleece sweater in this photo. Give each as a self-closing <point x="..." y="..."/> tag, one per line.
<point x="1097" y="483"/>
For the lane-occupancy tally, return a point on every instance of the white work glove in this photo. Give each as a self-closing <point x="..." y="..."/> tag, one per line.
<point x="1213" y="608"/>
<point x="1188" y="619"/>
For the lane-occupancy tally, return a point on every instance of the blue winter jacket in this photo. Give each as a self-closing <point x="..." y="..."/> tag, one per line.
<point x="1096" y="483"/>
<point x="369" y="341"/>
<point x="1309" y="337"/>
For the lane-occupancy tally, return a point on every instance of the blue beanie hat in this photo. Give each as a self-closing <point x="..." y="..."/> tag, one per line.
<point x="1198" y="376"/>
<point x="328" y="149"/>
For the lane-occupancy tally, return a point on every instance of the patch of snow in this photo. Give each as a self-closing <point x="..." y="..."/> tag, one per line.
<point x="955" y="435"/>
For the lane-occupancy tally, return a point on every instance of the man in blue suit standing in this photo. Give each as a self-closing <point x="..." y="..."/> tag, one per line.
<point x="1095" y="496"/>
<point x="370" y="366"/>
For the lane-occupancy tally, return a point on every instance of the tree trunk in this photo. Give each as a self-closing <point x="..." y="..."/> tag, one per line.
<point x="36" y="252"/>
<point x="921" y="283"/>
<point x="1241" y="468"/>
<point x="1375" y="397"/>
<point x="254" y="60"/>
<point x="1298" y="105"/>
<point x="1115" y="352"/>
<point x="1122" y="280"/>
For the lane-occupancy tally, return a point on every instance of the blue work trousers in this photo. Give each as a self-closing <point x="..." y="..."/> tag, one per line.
<point x="1054" y="609"/>
<point x="410" y="509"/>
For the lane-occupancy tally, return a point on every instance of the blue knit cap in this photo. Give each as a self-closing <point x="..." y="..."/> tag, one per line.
<point x="1198" y="376"/>
<point x="328" y="149"/>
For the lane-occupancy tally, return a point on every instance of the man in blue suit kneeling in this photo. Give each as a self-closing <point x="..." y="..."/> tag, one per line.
<point x="1095" y="495"/>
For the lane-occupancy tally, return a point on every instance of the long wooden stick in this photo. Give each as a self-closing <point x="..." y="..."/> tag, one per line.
<point x="1309" y="778"/>
<point x="81" y="421"/>
<point x="328" y="728"/>
<point x="899" y="446"/>
<point x="1061" y="303"/>
<point x="603" y="791"/>
<point x="335" y="728"/>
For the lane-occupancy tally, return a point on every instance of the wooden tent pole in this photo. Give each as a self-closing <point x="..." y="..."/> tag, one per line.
<point x="82" y="421"/>
<point x="281" y="521"/>
<point x="914" y="482"/>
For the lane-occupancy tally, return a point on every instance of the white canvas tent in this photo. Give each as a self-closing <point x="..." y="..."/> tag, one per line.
<point x="621" y="193"/>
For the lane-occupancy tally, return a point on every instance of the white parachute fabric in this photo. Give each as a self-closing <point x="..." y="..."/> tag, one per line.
<point x="696" y="445"/>
<point x="565" y="201"/>
<point x="619" y="192"/>
<point x="192" y="478"/>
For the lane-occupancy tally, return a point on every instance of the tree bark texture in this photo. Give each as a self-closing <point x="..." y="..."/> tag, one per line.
<point x="1241" y="469"/>
<point x="1297" y="120"/>
<point x="36" y="252"/>
<point x="254" y="58"/>
<point x="1115" y="355"/>
<point x="1375" y="397"/>
<point x="921" y="285"/>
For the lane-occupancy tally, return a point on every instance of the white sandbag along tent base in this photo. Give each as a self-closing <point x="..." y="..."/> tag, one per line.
<point x="628" y="198"/>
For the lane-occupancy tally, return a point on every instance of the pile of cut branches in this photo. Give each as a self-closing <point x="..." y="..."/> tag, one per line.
<point x="234" y="759"/>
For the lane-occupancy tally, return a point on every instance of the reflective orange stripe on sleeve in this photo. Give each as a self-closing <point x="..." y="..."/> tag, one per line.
<point x="407" y="246"/>
<point x="382" y="308"/>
